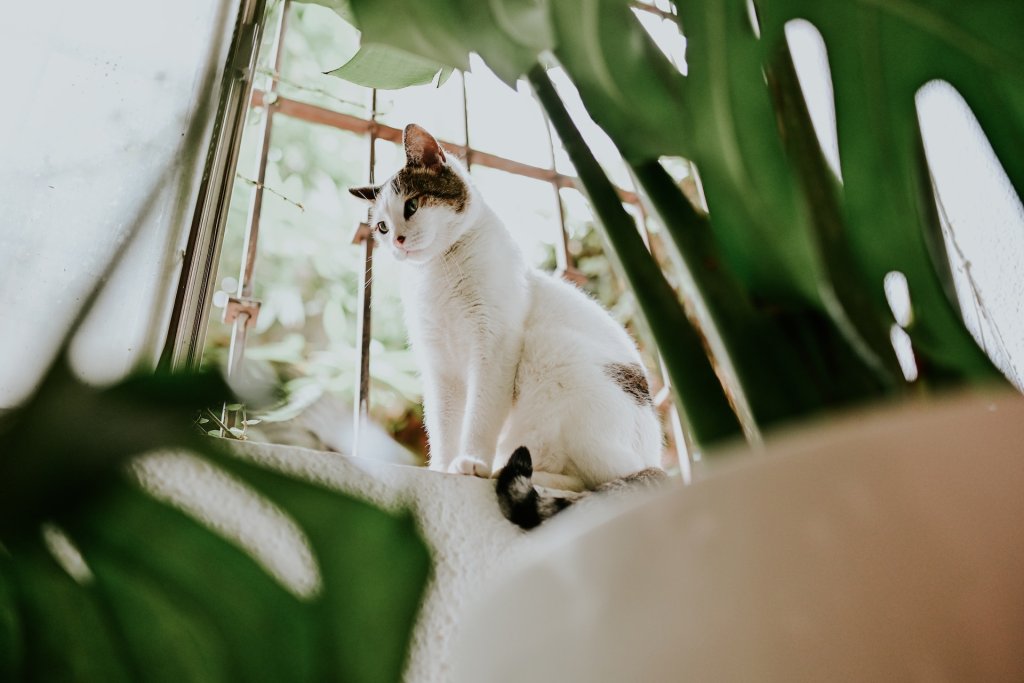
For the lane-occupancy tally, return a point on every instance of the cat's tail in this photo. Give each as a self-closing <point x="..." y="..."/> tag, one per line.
<point x="525" y="506"/>
<point x="519" y="501"/>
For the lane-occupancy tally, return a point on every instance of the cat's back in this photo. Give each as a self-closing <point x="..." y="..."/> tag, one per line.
<point x="563" y="314"/>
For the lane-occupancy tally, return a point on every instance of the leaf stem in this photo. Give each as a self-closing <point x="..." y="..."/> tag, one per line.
<point x="698" y="392"/>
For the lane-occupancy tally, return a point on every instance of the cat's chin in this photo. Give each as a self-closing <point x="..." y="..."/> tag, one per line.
<point x="414" y="256"/>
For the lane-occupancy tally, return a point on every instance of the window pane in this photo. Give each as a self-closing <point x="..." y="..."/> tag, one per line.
<point x="318" y="40"/>
<point x="308" y="274"/>
<point x="503" y="121"/>
<point x="665" y="34"/>
<point x="439" y="110"/>
<point x="390" y="158"/>
<point x="597" y="140"/>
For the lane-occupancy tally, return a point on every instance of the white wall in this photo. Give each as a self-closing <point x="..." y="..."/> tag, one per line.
<point x="95" y="134"/>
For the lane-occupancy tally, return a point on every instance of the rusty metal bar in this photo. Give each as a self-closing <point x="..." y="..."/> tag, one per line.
<point x="684" y="445"/>
<point x="316" y="114"/>
<point x="364" y="308"/>
<point x="644" y="7"/>
<point x="565" y="263"/>
<point x="242" y="309"/>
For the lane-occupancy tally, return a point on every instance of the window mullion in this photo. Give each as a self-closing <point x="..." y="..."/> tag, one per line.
<point x="243" y="309"/>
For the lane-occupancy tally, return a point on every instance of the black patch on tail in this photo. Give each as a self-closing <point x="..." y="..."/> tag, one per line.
<point x="525" y="506"/>
<point x="519" y="501"/>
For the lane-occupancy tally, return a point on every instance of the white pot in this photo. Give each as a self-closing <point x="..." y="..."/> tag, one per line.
<point x="887" y="545"/>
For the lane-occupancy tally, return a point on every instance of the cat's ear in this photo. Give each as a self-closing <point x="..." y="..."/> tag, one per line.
<point x="369" y="193"/>
<point x="421" y="149"/>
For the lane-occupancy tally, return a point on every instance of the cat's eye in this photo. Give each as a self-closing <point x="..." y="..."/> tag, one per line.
<point x="410" y="207"/>
<point x="382" y="228"/>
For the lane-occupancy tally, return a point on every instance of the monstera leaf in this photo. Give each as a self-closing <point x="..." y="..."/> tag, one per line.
<point x="629" y="87"/>
<point x="341" y="7"/>
<point x="508" y="35"/>
<point x="388" y="68"/>
<point x="698" y="392"/>
<point x="880" y="54"/>
<point x="159" y="595"/>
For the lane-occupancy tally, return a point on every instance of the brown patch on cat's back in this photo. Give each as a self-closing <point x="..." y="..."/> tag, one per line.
<point x="441" y="186"/>
<point x="631" y="379"/>
<point x="515" y="384"/>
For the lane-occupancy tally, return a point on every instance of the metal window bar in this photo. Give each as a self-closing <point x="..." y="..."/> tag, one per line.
<point x="311" y="113"/>
<point x="564" y="259"/>
<point x="243" y="309"/>
<point x="663" y="400"/>
<point x="363" y="309"/>
<point x="190" y="314"/>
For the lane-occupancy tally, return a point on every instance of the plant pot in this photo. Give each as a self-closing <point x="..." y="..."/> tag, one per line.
<point x="886" y="545"/>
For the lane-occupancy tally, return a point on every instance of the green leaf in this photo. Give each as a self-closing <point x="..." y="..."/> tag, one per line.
<point x="216" y="583"/>
<point x="777" y="365"/>
<point x="899" y="47"/>
<point x="756" y="215"/>
<point x="446" y="73"/>
<point x="628" y="85"/>
<point x="168" y="639"/>
<point x="67" y="635"/>
<point x="386" y="68"/>
<point x="697" y="389"/>
<point x="525" y="21"/>
<point x="12" y="637"/>
<point x="341" y="7"/>
<point x="446" y="32"/>
<point x="58" y="446"/>
<point x="171" y="600"/>
<point x="374" y="567"/>
<point x="423" y="29"/>
<point x="862" y="320"/>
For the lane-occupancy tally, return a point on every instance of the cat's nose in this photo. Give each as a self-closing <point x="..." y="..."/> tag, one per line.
<point x="400" y="239"/>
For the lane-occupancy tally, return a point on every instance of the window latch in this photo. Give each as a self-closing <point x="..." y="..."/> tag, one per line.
<point x="239" y="305"/>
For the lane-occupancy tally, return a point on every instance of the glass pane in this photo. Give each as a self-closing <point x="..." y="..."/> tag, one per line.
<point x="665" y="34"/>
<point x="505" y="122"/>
<point x="318" y="40"/>
<point x="600" y="144"/>
<point x="439" y="110"/>
<point x="308" y="274"/>
<point x="529" y="210"/>
<point x="390" y="158"/>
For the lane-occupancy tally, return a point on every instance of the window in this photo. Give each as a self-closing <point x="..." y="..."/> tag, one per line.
<point x="290" y="195"/>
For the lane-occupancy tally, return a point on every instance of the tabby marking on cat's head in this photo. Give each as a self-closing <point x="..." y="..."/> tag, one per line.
<point x="419" y="212"/>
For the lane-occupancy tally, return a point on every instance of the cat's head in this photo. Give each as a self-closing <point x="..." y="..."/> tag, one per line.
<point x="421" y="211"/>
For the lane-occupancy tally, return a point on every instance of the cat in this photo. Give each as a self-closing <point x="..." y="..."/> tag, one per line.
<point x="517" y="365"/>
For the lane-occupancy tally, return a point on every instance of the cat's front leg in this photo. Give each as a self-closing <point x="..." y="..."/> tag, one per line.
<point x="444" y="401"/>
<point x="491" y="374"/>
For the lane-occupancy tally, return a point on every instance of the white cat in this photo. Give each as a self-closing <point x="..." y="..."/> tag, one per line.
<point x="510" y="356"/>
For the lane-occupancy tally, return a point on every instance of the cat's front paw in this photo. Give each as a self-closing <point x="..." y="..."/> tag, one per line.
<point x="467" y="464"/>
